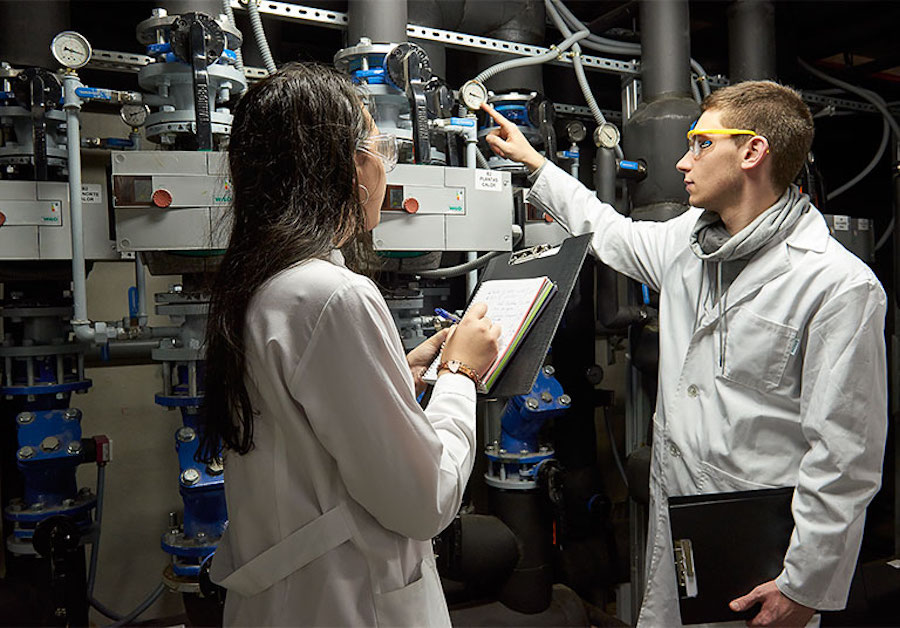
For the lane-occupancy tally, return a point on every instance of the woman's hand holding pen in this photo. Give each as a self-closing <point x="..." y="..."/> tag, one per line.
<point x="474" y="341"/>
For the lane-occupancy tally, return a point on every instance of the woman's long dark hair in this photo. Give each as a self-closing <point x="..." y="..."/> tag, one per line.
<point x="295" y="196"/>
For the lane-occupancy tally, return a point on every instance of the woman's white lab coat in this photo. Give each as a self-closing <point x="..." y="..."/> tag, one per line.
<point x="331" y="514"/>
<point x="799" y="400"/>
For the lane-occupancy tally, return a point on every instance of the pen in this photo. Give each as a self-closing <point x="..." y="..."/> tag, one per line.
<point x="446" y="315"/>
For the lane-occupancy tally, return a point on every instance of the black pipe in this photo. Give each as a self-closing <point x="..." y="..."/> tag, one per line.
<point x="27" y="28"/>
<point x="529" y="588"/>
<point x="212" y="8"/>
<point x="430" y="13"/>
<point x="382" y="22"/>
<point x="665" y="41"/>
<point x="520" y="21"/>
<point x="751" y="40"/>
<point x="655" y="133"/>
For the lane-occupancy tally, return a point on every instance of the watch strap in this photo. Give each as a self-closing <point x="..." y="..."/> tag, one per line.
<point x="461" y="368"/>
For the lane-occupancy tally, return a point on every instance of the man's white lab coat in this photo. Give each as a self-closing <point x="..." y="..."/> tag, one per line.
<point x="801" y="399"/>
<point x="331" y="514"/>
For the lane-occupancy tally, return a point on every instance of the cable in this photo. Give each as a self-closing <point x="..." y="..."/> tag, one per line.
<point x="120" y="620"/>
<point x="612" y="46"/>
<point x="614" y="447"/>
<point x="886" y="236"/>
<point x="147" y="603"/>
<point x="879" y="104"/>
<point x="481" y="160"/>
<point x="229" y="13"/>
<point x="872" y="97"/>
<point x="885" y="136"/>
<point x="461" y="269"/>
<point x="579" y="69"/>
<point x="522" y="62"/>
<point x="260" y="35"/>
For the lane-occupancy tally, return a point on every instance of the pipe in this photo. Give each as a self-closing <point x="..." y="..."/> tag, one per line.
<point x="522" y="62"/>
<point x="665" y="42"/>
<point x="229" y="13"/>
<point x="26" y="29"/>
<point x="456" y="271"/>
<point x="529" y="588"/>
<point x="471" y="137"/>
<point x="140" y="278"/>
<point x="80" y="323"/>
<point x="260" y="35"/>
<point x="751" y="40"/>
<point x="520" y="21"/>
<point x="885" y="136"/>
<point x="383" y="21"/>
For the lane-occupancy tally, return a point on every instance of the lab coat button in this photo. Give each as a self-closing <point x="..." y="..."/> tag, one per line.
<point x="693" y="391"/>
<point x="673" y="449"/>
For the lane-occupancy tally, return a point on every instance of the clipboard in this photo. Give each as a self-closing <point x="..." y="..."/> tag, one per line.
<point x="559" y="263"/>
<point x="725" y="544"/>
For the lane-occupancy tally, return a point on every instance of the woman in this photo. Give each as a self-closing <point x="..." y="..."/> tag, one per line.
<point x="336" y="479"/>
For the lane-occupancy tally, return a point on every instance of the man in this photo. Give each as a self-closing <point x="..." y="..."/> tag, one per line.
<point x="772" y="364"/>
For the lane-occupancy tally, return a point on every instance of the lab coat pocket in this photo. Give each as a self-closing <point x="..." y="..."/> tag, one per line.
<point x="757" y="350"/>
<point x="724" y="482"/>
<point x="419" y="603"/>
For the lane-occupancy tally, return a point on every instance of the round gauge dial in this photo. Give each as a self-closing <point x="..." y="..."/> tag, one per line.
<point x="473" y="94"/>
<point x="71" y="49"/>
<point x="134" y="115"/>
<point x="606" y="135"/>
<point x="576" y="131"/>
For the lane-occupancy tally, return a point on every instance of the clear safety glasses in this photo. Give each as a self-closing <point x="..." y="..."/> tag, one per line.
<point x="384" y="146"/>
<point x="697" y="142"/>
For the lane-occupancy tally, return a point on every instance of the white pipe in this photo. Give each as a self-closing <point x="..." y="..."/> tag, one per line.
<point x="140" y="279"/>
<point x="471" y="135"/>
<point x="72" y="105"/>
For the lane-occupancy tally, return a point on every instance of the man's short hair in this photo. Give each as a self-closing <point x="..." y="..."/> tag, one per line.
<point x="774" y="111"/>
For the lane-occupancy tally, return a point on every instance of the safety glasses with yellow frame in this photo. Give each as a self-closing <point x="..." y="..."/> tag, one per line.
<point x="697" y="142"/>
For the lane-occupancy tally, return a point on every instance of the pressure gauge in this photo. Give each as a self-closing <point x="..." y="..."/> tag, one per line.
<point x="473" y="94"/>
<point x="134" y="115"/>
<point x="71" y="49"/>
<point x="576" y="131"/>
<point x="606" y="135"/>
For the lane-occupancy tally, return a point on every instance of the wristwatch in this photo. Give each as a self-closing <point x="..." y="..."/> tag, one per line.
<point x="455" y="366"/>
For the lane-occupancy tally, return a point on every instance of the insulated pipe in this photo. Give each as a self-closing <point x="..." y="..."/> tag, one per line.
<point x="655" y="133"/>
<point x="751" y="40"/>
<point x="383" y="21"/>
<point x="26" y="29"/>
<point x="212" y="8"/>
<point x="665" y="42"/>
<point x="520" y="21"/>
<point x="430" y="13"/>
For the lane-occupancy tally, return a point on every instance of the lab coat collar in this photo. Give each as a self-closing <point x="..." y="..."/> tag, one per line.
<point x="767" y="264"/>
<point x="336" y="257"/>
<point x="811" y="232"/>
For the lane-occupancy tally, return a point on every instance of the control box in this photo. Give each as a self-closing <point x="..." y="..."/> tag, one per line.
<point x="437" y="208"/>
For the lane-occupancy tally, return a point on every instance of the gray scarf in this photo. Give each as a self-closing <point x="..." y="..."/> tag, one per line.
<point x="711" y="242"/>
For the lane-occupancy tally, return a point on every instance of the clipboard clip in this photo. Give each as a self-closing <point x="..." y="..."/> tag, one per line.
<point x="684" y="568"/>
<point x="531" y="253"/>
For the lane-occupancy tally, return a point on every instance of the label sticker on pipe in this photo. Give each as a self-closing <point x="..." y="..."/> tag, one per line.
<point x="841" y="223"/>
<point x="91" y="193"/>
<point x="488" y="181"/>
